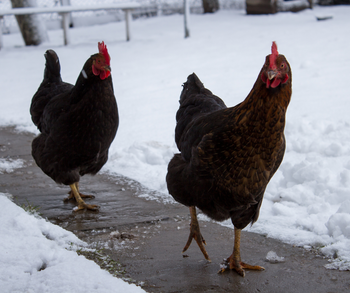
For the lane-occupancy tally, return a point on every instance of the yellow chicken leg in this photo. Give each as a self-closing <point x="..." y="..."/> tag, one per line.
<point x="81" y="204"/>
<point x="234" y="261"/>
<point x="71" y="195"/>
<point x="196" y="234"/>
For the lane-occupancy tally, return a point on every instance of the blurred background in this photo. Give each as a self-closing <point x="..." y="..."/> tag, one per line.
<point x="152" y="8"/>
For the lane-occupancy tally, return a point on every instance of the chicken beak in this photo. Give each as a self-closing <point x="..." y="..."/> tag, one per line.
<point x="108" y="68"/>
<point x="271" y="74"/>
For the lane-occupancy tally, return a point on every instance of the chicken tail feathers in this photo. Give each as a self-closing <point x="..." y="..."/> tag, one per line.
<point x="195" y="101"/>
<point x="193" y="86"/>
<point x="194" y="94"/>
<point x="52" y="71"/>
<point x="50" y="87"/>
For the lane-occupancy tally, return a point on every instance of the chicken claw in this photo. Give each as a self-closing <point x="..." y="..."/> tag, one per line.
<point x="234" y="261"/>
<point x="71" y="196"/>
<point x="81" y="204"/>
<point x="233" y="264"/>
<point x="196" y="234"/>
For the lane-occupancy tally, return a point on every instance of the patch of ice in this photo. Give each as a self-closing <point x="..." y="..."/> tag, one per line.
<point x="9" y="165"/>
<point x="338" y="264"/>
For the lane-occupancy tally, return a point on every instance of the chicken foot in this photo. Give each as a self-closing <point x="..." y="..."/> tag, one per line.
<point x="234" y="261"/>
<point x="195" y="234"/>
<point x="81" y="204"/>
<point x="71" y="194"/>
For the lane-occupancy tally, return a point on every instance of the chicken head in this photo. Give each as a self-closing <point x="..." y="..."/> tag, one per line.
<point x="276" y="69"/>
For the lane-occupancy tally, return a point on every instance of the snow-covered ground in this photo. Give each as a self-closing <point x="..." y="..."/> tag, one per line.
<point x="307" y="202"/>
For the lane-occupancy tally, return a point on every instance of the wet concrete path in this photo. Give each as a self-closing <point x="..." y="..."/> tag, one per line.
<point x="146" y="237"/>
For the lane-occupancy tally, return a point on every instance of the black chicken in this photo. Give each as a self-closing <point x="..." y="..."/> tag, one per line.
<point x="77" y="122"/>
<point x="228" y="155"/>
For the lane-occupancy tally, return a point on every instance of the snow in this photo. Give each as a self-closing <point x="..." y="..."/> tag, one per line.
<point x="37" y="256"/>
<point x="307" y="203"/>
<point x="9" y="165"/>
<point x="272" y="257"/>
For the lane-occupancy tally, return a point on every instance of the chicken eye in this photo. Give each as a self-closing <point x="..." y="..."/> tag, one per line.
<point x="282" y="65"/>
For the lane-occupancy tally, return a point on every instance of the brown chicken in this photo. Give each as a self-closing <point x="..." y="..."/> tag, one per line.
<point x="77" y="122"/>
<point x="229" y="155"/>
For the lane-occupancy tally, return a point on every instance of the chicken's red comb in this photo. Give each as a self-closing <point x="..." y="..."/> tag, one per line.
<point x="102" y="48"/>
<point x="273" y="56"/>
